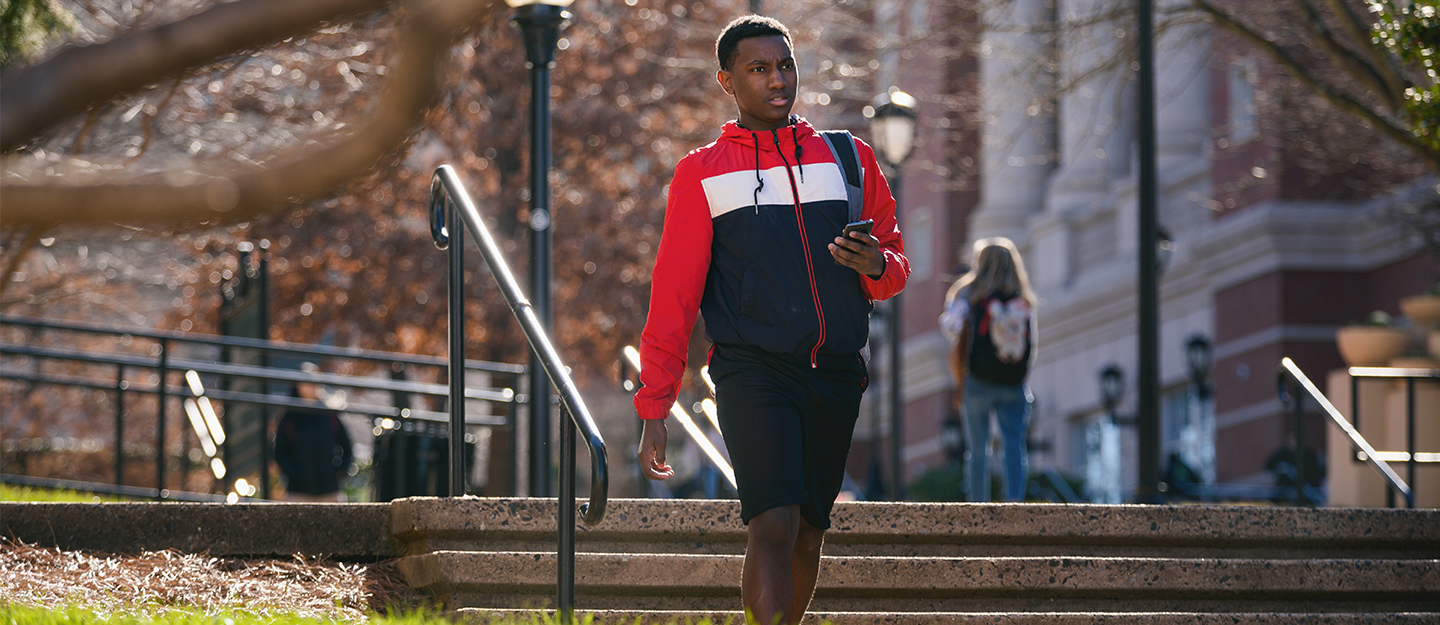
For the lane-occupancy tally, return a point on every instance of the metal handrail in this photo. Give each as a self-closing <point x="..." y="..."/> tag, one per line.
<point x="1411" y="457"/>
<point x="1357" y="442"/>
<point x="446" y="191"/>
<point x="502" y="395"/>
<point x="138" y="492"/>
<point x="632" y="358"/>
<point x="259" y="344"/>
<point x="166" y="362"/>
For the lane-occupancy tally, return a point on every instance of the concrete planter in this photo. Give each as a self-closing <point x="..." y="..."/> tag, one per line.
<point x="1424" y="310"/>
<point x="1370" y="346"/>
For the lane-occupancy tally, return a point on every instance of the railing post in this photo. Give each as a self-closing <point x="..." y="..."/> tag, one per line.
<point x="565" y="568"/>
<point x="457" y="354"/>
<point x="160" y="419"/>
<point x="1299" y="455"/>
<point x="1410" y="437"/>
<point x="264" y="280"/>
<point x="512" y="483"/>
<point x="119" y="424"/>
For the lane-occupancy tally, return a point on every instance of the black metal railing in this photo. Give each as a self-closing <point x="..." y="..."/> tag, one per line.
<point x="1410" y="456"/>
<point x="150" y="374"/>
<point x="450" y="204"/>
<point x="1294" y="386"/>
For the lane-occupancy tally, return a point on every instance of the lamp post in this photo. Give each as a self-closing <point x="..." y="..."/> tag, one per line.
<point x="952" y="440"/>
<point x="1148" y="377"/>
<point x="1199" y="354"/>
<point x="892" y="128"/>
<point x="1198" y="437"/>
<point x="1103" y="439"/>
<point x="540" y="21"/>
<point x="1112" y="388"/>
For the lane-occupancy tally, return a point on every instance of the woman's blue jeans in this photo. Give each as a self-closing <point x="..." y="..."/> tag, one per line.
<point x="1011" y="405"/>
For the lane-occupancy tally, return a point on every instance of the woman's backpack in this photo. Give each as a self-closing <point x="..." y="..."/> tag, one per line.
<point x="1000" y="338"/>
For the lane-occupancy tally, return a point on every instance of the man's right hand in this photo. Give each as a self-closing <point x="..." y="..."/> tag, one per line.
<point x="652" y="450"/>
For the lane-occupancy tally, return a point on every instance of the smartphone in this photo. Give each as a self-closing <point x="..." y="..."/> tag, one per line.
<point x="858" y="226"/>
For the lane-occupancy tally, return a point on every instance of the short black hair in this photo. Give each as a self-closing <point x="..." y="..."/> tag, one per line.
<point x="745" y="27"/>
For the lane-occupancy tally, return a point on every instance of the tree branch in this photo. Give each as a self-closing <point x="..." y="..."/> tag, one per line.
<point x="23" y="249"/>
<point x="1380" y="59"/>
<point x="37" y="97"/>
<point x="1358" y="68"/>
<point x="411" y="84"/>
<point x="1299" y="72"/>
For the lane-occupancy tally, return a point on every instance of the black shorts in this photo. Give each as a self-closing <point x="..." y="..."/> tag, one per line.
<point x="788" y="427"/>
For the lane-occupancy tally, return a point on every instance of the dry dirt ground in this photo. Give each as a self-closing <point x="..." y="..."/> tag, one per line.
<point x="108" y="583"/>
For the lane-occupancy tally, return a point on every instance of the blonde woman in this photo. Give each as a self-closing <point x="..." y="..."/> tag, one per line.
<point x="990" y="320"/>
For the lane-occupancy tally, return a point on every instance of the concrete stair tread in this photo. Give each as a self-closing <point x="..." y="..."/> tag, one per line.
<point x="906" y="563"/>
<point x="887" y="576"/>
<point x="481" y="616"/>
<point x="437" y="523"/>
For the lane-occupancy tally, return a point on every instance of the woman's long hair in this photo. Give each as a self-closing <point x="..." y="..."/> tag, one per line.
<point x="995" y="267"/>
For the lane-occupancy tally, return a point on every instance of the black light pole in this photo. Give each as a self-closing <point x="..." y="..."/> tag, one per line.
<point x="892" y="129"/>
<point x="1148" y="377"/>
<point x="541" y="21"/>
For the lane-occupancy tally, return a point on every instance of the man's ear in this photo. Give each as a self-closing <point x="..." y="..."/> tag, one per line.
<point x="723" y="77"/>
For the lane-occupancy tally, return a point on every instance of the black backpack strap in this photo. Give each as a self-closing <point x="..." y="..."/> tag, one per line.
<point x="842" y="147"/>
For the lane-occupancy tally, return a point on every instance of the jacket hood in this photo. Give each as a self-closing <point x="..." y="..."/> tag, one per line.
<point x="797" y="132"/>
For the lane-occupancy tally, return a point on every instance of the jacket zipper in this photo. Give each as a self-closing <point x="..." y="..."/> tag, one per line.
<point x="804" y="245"/>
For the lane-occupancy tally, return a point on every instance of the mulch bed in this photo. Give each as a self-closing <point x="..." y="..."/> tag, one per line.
<point x="157" y="580"/>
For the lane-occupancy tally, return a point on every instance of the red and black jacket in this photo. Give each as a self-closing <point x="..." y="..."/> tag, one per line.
<point x="747" y="229"/>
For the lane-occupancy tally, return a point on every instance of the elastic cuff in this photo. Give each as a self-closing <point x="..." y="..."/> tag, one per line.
<point x="885" y="260"/>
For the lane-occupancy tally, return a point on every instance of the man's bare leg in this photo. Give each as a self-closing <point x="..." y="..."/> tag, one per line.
<point x="766" y="586"/>
<point x="805" y="567"/>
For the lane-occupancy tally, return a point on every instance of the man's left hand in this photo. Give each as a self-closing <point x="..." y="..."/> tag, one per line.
<point x="861" y="252"/>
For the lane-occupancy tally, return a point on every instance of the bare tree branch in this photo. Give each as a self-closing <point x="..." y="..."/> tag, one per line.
<point x="28" y="243"/>
<point x="1359" y="31"/>
<point x="37" y="97"/>
<point x="1298" y="71"/>
<point x="147" y="120"/>
<point x="411" y="84"/>
<point x="1344" y="57"/>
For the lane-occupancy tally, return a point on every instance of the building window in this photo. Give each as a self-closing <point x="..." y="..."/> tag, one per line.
<point x="1243" y="77"/>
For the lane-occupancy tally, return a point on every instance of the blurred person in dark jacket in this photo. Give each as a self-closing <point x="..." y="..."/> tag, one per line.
<point x="312" y="448"/>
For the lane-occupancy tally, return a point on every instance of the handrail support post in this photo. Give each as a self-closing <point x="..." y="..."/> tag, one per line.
<point x="1298" y="412"/>
<point x="457" y="356"/>
<point x="160" y="421"/>
<point x="1410" y="436"/>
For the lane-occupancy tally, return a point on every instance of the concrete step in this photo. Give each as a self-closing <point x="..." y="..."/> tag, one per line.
<point x="478" y="616"/>
<point x="906" y="584"/>
<point x="937" y="530"/>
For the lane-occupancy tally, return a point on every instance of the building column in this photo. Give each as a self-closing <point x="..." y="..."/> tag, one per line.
<point x="1182" y="91"/>
<point x="1018" y="150"/>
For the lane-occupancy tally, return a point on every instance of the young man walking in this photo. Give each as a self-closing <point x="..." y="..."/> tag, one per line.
<point x="753" y="240"/>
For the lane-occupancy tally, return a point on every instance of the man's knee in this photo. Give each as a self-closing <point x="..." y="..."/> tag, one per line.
<point x="776" y="526"/>
<point x="809" y="539"/>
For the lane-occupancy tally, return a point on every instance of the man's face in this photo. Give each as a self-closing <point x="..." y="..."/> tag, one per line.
<point x="763" y="81"/>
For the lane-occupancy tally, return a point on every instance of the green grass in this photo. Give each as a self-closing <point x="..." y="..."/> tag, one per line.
<point x="9" y="492"/>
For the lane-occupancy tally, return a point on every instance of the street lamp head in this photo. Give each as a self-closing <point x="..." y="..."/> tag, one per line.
<point x="892" y="125"/>
<point x="951" y="437"/>
<point x="1200" y="356"/>
<point x="1112" y="386"/>
<point x="1164" y="249"/>
<point x="541" y="21"/>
